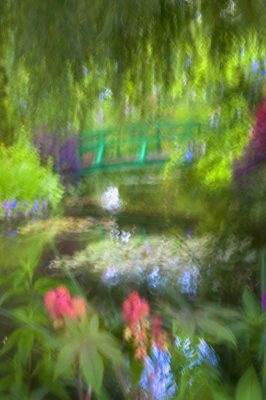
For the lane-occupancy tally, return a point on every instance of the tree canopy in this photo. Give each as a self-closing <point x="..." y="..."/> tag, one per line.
<point x="57" y="56"/>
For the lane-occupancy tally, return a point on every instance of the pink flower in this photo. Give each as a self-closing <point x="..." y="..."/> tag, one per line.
<point x="49" y="302"/>
<point x="60" y="305"/>
<point x="135" y="308"/>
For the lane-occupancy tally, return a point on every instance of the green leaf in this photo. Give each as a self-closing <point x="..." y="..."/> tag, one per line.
<point x="251" y="305"/>
<point x="40" y="393"/>
<point x="248" y="387"/>
<point x="218" y="331"/>
<point x="92" y="368"/>
<point x="6" y="382"/>
<point x="136" y="369"/>
<point x="25" y="344"/>
<point x="109" y="348"/>
<point x="42" y="285"/>
<point x="11" y="342"/>
<point x="94" y="325"/>
<point x="65" y="360"/>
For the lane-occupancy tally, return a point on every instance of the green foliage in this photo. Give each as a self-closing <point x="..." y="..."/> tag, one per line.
<point x="248" y="387"/>
<point x="86" y="346"/>
<point x="149" y="53"/>
<point x="24" y="179"/>
<point x="35" y="361"/>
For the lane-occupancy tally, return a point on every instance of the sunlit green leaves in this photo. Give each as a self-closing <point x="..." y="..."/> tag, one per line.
<point x="248" y="387"/>
<point x="91" y="364"/>
<point x="85" y="347"/>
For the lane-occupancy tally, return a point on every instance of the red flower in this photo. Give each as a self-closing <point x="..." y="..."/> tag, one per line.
<point x="135" y="308"/>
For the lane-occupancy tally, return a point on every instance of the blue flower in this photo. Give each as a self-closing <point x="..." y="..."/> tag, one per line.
<point x="255" y="66"/>
<point x="207" y="353"/>
<point x="13" y="204"/>
<point x="101" y="97"/>
<point x="154" y="278"/>
<point x="157" y="377"/>
<point x="189" y="282"/>
<point x="189" y="155"/>
<point x="197" y="354"/>
<point x="35" y="207"/>
<point x="110" y="277"/>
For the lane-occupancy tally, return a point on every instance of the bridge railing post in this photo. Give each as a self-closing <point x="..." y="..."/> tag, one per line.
<point x="158" y="139"/>
<point x="143" y="150"/>
<point x="100" y="152"/>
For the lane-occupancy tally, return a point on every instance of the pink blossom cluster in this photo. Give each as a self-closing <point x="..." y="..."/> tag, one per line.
<point x="135" y="308"/>
<point x="136" y="313"/>
<point x="61" y="305"/>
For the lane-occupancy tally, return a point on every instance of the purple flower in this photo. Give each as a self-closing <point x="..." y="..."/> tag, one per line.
<point x="263" y="301"/>
<point x="10" y="233"/>
<point x="6" y="207"/>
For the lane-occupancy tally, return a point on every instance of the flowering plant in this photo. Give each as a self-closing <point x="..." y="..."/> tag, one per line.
<point x="136" y="315"/>
<point x="60" y="305"/>
<point x="83" y="347"/>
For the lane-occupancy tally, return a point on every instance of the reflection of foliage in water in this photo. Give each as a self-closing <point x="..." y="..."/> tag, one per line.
<point x="227" y="265"/>
<point x="216" y="267"/>
<point x="64" y="225"/>
<point x="156" y="261"/>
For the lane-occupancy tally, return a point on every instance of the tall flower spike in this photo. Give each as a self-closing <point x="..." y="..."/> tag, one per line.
<point x="135" y="308"/>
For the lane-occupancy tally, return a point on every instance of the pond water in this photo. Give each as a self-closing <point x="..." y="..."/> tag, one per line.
<point x="111" y="254"/>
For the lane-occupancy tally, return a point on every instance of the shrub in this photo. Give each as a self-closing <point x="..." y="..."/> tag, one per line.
<point x="23" y="179"/>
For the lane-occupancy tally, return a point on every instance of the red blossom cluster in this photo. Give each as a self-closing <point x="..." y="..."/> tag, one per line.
<point x="136" y="313"/>
<point x="61" y="305"/>
<point x="158" y="335"/>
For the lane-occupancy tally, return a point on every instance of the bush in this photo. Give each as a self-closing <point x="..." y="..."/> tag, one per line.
<point x="23" y="178"/>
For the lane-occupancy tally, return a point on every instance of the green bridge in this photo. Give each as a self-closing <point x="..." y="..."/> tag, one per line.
<point x="140" y="145"/>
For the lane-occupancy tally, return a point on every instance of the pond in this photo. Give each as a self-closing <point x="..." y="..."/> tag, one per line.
<point x="111" y="254"/>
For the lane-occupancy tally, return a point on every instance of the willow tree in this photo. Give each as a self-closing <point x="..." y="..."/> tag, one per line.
<point x="131" y="45"/>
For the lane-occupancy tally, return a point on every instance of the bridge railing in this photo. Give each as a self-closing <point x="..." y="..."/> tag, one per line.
<point x="139" y="143"/>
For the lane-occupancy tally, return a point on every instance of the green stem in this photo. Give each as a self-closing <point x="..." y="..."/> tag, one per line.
<point x="79" y="382"/>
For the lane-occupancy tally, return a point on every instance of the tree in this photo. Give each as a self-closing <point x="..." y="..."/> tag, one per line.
<point x="141" y="42"/>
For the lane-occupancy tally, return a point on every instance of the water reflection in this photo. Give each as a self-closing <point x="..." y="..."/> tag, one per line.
<point x="110" y="199"/>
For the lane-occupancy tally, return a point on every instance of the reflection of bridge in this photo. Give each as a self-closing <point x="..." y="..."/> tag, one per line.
<point x="139" y="145"/>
